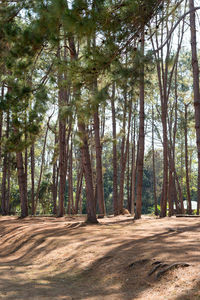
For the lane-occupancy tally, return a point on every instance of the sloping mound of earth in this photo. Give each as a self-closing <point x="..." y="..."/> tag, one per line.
<point x="62" y="258"/>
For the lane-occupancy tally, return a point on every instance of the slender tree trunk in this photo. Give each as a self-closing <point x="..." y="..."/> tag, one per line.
<point x="54" y="176"/>
<point x="170" y="193"/>
<point x="22" y="185"/>
<point x="128" y="179"/>
<point x="6" y="167"/>
<point x="189" y="205"/>
<point x="154" y="169"/>
<point x="123" y="157"/>
<point x="87" y="168"/>
<point x="54" y="188"/>
<point x="165" y="160"/>
<point x="141" y="141"/>
<point x="70" y="208"/>
<point x="78" y="189"/>
<point x="32" y="154"/>
<point x="41" y="167"/>
<point x="3" y="186"/>
<point x="195" y="68"/>
<point x="99" y="176"/>
<point x="133" y="173"/>
<point x="1" y="121"/>
<point x="8" y="187"/>
<point x="115" y="190"/>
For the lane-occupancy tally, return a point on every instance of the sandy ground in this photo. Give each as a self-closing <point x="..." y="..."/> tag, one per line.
<point x="61" y="258"/>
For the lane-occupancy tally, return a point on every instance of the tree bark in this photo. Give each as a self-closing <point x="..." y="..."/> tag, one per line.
<point x="154" y="168"/>
<point x="195" y="69"/>
<point x="114" y="136"/>
<point x="189" y="205"/>
<point x="41" y="167"/>
<point x="141" y="140"/>
<point x="22" y="185"/>
<point x="87" y="168"/>
<point x="32" y="154"/>
<point x="99" y="176"/>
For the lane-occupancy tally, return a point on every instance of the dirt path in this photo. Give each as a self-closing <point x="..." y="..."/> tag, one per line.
<point x="49" y="258"/>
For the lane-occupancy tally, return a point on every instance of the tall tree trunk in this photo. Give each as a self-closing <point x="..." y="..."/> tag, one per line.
<point x="3" y="186"/>
<point x="165" y="160"/>
<point x="70" y="208"/>
<point x="8" y="186"/>
<point x="1" y="120"/>
<point x="189" y="205"/>
<point x="87" y="168"/>
<point x="141" y="141"/>
<point x="114" y="136"/>
<point x="32" y="154"/>
<point x="99" y="175"/>
<point x="55" y="176"/>
<point x="133" y="173"/>
<point x="195" y="68"/>
<point x="6" y="166"/>
<point x="41" y="167"/>
<point x="154" y="169"/>
<point x="22" y="185"/>
<point x="79" y="189"/>
<point x="123" y="157"/>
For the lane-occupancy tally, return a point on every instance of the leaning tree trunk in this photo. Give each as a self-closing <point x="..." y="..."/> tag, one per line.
<point x="195" y="68"/>
<point x="141" y="142"/>
<point x="87" y="168"/>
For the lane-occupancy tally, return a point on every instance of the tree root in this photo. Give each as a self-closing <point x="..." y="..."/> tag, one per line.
<point x="139" y="262"/>
<point x="157" y="266"/>
<point x="175" y="265"/>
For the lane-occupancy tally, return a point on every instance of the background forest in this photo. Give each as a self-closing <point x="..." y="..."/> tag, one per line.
<point x="99" y="107"/>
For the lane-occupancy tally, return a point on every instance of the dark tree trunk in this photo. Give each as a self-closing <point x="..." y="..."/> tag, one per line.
<point x="163" y="212"/>
<point x="87" y="168"/>
<point x="70" y="208"/>
<point x="22" y="185"/>
<point x="189" y="205"/>
<point x="99" y="176"/>
<point x="55" y="175"/>
<point x="141" y="142"/>
<point x="32" y="179"/>
<point x="122" y="158"/>
<point x="154" y="168"/>
<point x="8" y="187"/>
<point x="115" y="192"/>
<point x="3" y="186"/>
<point x="133" y="172"/>
<point x="79" y="189"/>
<point x="195" y="68"/>
<point x="6" y="173"/>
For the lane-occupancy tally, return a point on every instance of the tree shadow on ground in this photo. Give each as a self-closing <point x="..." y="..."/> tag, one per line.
<point x="107" y="277"/>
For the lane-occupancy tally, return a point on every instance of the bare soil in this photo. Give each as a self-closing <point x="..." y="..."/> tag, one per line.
<point x="62" y="258"/>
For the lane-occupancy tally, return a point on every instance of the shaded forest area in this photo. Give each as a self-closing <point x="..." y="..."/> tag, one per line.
<point x="99" y="107"/>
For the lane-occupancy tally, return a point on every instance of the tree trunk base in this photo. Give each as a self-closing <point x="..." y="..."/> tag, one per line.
<point x="91" y="221"/>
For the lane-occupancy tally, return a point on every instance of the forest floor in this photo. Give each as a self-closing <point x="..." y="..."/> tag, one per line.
<point x="62" y="258"/>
